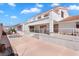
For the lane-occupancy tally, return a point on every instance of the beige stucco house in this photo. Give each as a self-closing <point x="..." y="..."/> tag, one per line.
<point x="56" y="20"/>
<point x="45" y="22"/>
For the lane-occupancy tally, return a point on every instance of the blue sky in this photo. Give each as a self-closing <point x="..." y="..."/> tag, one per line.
<point x="15" y="13"/>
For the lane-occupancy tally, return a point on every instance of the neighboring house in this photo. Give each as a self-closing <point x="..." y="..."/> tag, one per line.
<point x="46" y="22"/>
<point x="1" y="29"/>
<point x="6" y="28"/>
<point x="18" y="27"/>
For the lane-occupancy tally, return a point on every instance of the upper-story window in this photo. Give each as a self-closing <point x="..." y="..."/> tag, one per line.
<point x="62" y="14"/>
<point x="77" y="24"/>
<point x="47" y="14"/>
<point x="39" y="17"/>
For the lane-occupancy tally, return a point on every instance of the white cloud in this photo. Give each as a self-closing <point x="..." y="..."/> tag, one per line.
<point x="35" y="10"/>
<point x="73" y="7"/>
<point x="1" y="11"/>
<point x="12" y="4"/>
<point x="31" y="10"/>
<point x="55" y="4"/>
<point x="39" y="5"/>
<point x="13" y="17"/>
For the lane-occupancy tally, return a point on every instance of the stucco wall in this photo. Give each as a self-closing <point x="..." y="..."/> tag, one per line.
<point x="67" y="27"/>
<point x="26" y="26"/>
<point x="39" y="22"/>
<point x="36" y="28"/>
<point x="55" y="16"/>
<point x="65" y="13"/>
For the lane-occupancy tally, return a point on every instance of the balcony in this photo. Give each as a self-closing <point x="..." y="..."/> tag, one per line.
<point x="44" y="18"/>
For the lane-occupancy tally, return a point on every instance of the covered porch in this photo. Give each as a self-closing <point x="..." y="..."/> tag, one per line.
<point x="42" y="28"/>
<point x="69" y="28"/>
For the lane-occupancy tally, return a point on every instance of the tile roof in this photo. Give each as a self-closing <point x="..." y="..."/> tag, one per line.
<point x="56" y="9"/>
<point x="71" y="18"/>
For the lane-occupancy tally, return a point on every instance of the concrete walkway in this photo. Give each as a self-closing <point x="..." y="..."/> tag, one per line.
<point x="71" y="42"/>
<point x="29" y="46"/>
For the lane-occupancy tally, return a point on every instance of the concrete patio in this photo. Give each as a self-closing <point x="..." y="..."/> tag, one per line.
<point x="29" y="46"/>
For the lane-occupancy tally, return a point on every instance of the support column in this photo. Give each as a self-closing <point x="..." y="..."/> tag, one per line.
<point x="26" y="28"/>
<point x="51" y="25"/>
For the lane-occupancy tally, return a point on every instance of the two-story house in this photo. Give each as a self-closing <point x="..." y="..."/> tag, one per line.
<point x="46" y="22"/>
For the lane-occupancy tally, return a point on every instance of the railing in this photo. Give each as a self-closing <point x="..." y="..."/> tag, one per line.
<point x="47" y="17"/>
<point x="41" y="31"/>
<point x="63" y="31"/>
<point x="69" y="31"/>
<point x="40" y="19"/>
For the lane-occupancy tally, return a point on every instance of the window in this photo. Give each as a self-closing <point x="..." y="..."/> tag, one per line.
<point x="45" y="15"/>
<point x="31" y="28"/>
<point x="39" y="17"/>
<point x="56" y="28"/>
<point x="77" y="25"/>
<point x="62" y="14"/>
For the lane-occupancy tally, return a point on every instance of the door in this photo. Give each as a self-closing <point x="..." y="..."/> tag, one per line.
<point x="31" y="28"/>
<point x="43" y="29"/>
<point x="56" y="28"/>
